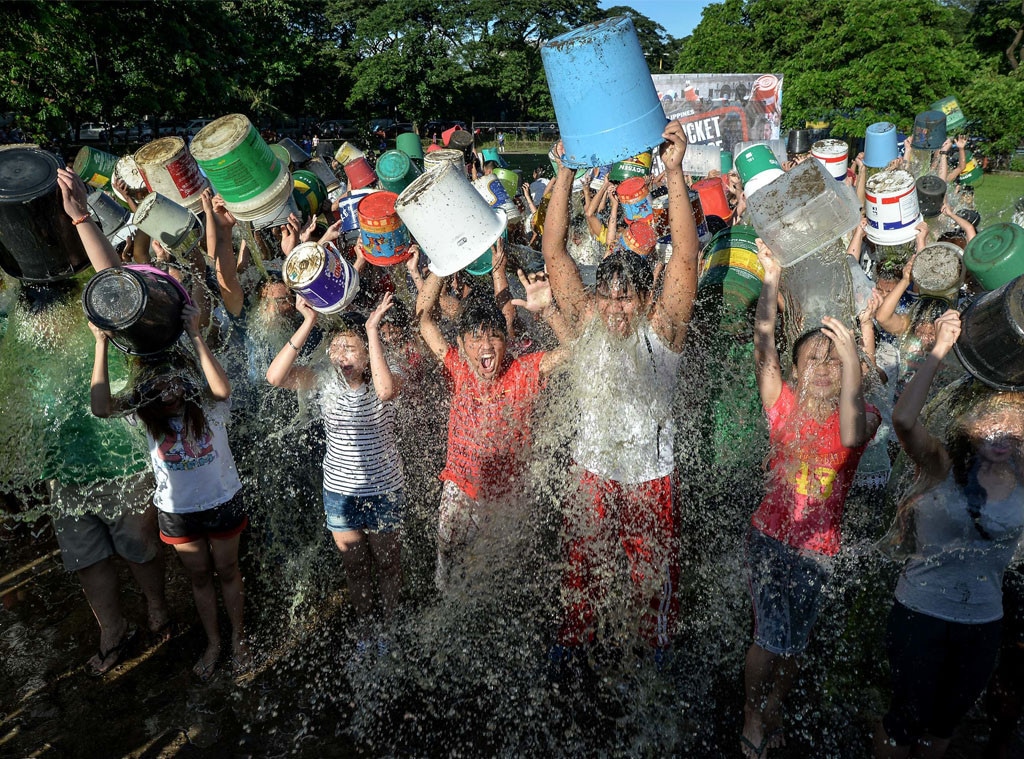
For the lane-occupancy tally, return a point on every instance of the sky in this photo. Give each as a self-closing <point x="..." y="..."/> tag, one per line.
<point x="677" y="16"/>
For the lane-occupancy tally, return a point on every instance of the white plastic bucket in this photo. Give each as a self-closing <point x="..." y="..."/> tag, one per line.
<point x="757" y="167"/>
<point x="169" y="169"/>
<point x="172" y="225"/>
<point x="266" y="203"/>
<point x="700" y="160"/>
<point x="437" y="158"/>
<point x="891" y="208"/>
<point x="778" y="148"/>
<point x="834" y="156"/>
<point x="449" y="219"/>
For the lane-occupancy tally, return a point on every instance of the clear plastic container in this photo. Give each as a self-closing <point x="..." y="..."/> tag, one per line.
<point x="802" y="211"/>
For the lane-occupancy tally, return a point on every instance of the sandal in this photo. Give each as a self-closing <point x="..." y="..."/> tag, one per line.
<point x="165" y="632"/>
<point x="752" y="750"/>
<point x="204" y="671"/>
<point x="116" y="651"/>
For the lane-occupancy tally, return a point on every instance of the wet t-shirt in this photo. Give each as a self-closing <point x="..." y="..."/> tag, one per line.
<point x="810" y="472"/>
<point x="956" y="571"/>
<point x="489" y="424"/>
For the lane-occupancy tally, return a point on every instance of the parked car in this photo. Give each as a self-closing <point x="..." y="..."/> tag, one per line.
<point x="174" y="129"/>
<point x="136" y="133"/>
<point x="91" y="130"/>
<point x="192" y="127"/>
<point x="344" y="128"/>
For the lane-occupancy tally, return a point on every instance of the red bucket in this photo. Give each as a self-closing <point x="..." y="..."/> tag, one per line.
<point x="446" y="135"/>
<point x="384" y="237"/>
<point x="359" y="173"/>
<point x="712" y="198"/>
<point x="639" y="238"/>
<point x="636" y="200"/>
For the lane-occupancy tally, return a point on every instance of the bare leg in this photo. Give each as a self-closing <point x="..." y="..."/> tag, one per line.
<point x="150" y="577"/>
<point x="783" y="676"/>
<point x="99" y="582"/>
<point x="885" y="748"/>
<point x="355" y="555"/>
<point x="758" y="684"/>
<point x="225" y="561"/>
<point x="195" y="557"/>
<point x="387" y="555"/>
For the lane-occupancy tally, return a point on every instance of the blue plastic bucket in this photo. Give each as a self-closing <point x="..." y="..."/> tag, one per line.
<point x="586" y="69"/>
<point x="880" y="145"/>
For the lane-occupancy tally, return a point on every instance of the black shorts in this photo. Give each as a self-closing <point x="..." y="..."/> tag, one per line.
<point x="219" y="523"/>
<point x="939" y="670"/>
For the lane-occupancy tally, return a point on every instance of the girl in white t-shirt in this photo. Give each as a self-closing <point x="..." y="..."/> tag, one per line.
<point x="197" y="487"/>
<point x="363" y="481"/>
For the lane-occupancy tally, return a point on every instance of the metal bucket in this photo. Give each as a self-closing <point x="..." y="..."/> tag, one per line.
<point x="347" y="210"/>
<point x="584" y="68"/>
<point x="322" y="276"/>
<point x="730" y="270"/>
<point x="139" y="305"/>
<point x="175" y="227"/>
<point x="996" y="255"/>
<point x="169" y="169"/>
<point x="634" y="166"/>
<point x="955" y="118"/>
<point x="297" y="157"/>
<point x="241" y="167"/>
<point x="427" y="206"/>
<point x="991" y="342"/>
<point x="94" y="166"/>
<point x="128" y="172"/>
<point x="109" y="216"/>
<point x="38" y="242"/>
<point x="319" y="167"/>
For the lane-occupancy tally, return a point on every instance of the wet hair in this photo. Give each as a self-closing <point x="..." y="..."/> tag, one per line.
<point x="629" y="268"/>
<point x="715" y="224"/>
<point x="492" y="165"/>
<point x="351" y="323"/>
<point x="926" y="311"/>
<point x="159" y="370"/>
<point x="804" y="339"/>
<point x="479" y="312"/>
<point x="398" y="315"/>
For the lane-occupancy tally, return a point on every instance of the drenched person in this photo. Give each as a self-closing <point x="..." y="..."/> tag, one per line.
<point x="627" y="355"/>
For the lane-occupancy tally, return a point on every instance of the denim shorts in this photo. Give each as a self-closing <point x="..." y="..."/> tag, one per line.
<point x="785" y="586"/>
<point x="372" y="513"/>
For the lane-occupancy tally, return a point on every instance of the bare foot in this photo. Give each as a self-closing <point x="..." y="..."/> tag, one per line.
<point x="207" y="663"/>
<point x="753" y="741"/>
<point x="241" y="656"/>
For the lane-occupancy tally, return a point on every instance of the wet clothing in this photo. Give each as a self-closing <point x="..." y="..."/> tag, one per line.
<point x="194" y="475"/>
<point x="956" y="571"/>
<point x="220" y="522"/>
<point x="939" y="669"/>
<point x="362" y="456"/>
<point x="372" y="513"/>
<point x="489" y="424"/>
<point x="810" y="472"/>
<point x="637" y="520"/>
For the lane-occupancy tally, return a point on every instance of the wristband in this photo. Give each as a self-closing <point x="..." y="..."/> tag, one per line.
<point x="293" y="345"/>
<point x="82" y="218"/>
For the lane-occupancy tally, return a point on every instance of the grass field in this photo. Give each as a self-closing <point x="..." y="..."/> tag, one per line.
<point x="995" y="195"/>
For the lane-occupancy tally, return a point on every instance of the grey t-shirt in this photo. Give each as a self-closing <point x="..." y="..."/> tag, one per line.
<point x="956" y="573"/>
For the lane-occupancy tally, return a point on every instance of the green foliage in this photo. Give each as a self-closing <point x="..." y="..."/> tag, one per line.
<point x="993" y="103"/>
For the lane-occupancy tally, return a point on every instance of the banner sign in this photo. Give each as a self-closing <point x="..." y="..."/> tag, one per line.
<point x="723" y="109"/>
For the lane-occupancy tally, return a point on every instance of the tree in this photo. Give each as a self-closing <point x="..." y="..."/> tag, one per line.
<point x="654" y="40"/>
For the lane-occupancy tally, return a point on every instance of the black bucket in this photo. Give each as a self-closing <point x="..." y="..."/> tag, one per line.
<point x="799" y="141"/>
<point x="462" y="140"/>
<point x="929" y="130"/>
<point x="140" y="306"/>
<point x="38" y="242"/>
<point x="991" y="342"/>
<point x="931" y="191"/>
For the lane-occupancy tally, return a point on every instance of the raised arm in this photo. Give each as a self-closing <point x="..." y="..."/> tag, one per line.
<point x="671" y="315"/>
<point x="593" y="208"/>
<point x="426" y="304"/>
<point x="72" y="189"/>
<point x="385" y="382"/>
<point x="219" y="223"/>
<point x="767" y="367"/>
<point x="886" y="316"/>
<point x="502" y="296"/>
<point x="855" y="427"/>
<point x="924" y="449"/>
<point x="566" y="284"/>
<point x="969" y="231"/>
<point x="216" y="377"/>
<point x="282" y="371"/>
<point x="101" y="402"/>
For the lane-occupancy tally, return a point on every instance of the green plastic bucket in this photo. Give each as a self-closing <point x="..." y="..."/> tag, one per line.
<point x="955" y="118"/>
<point x="726" y="161"/>
<point x="972" y="172"/>
<point x="396" y="171"/>
<point x="757" y="167"/>
<point x="730" y="266"/>
<point x="409" y="143"/>
<point x="95" y="167"/>
<point x="237" y="161"/>
<point x="995" y="255"/>
<point x="311" y="188"/>
<point x="637" y="166"/>
<point x="481" y="266"/>
<point x="509" y="180"/>
<point x="281" y="153"/>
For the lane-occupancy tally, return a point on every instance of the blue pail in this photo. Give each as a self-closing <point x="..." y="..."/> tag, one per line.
<point x="880" y="145"/>
<point x="586" y="69"/>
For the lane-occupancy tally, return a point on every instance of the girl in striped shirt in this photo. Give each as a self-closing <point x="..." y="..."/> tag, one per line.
<point x="363" y="481"/>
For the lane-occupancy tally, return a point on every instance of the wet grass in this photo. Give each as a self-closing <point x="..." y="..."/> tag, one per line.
<point x="996" y="194"/>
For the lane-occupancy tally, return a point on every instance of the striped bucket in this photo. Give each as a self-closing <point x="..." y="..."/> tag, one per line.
<point x="891" y="208"/>
<point x="384" y="237"/>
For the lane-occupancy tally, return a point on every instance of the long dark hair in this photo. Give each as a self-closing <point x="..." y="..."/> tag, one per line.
<point x="145" y="400"/>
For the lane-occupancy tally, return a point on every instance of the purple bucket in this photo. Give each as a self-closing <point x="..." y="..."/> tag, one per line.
<point x="321" y="276"/>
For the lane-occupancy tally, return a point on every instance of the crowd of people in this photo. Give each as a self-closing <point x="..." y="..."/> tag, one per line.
<point x="612" y="323"/>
